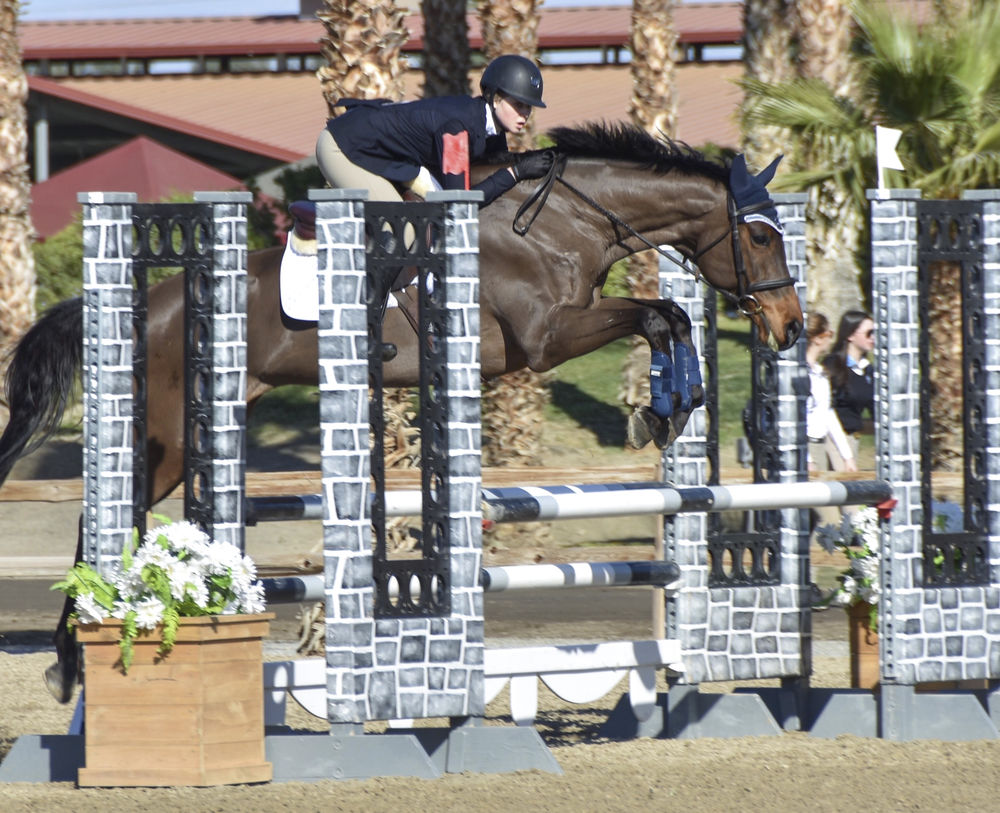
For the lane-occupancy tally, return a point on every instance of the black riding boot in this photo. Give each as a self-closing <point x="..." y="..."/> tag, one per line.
<point x="388" y="348"/>
<point x="388" y="244"/>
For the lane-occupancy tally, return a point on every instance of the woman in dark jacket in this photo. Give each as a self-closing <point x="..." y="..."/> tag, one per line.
<point x="852" y="375"/>
<point x="430" y="143"/>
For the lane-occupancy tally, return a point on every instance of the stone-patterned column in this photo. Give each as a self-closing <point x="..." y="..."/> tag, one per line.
<point x="346" y="466"/>
<point x="742" y="632"/>
<point x="107" y="376"/>
<point x="455" y="683"/>
<point x="685" y="463"/>
<point x="793" y="445"/>
<point x="229" y="361"/>
<point x="396" y="667"/>
<point x="896" y="306"/>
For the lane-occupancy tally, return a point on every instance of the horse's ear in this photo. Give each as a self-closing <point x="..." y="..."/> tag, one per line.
<point x="766" y="174"/>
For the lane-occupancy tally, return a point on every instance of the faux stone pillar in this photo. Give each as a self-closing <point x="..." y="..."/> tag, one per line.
<point x="896" y="312"/>
<point x="346" y="466"/>
<point x="411" y="667"/>
<point x="107" y="376"/>
<point x="742" y="632"/>
<point x="229" y="360"/>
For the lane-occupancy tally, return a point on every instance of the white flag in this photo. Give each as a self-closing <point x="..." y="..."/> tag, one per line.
<point x="886" y="140"/>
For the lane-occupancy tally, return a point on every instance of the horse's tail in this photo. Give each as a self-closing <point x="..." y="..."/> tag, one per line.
<point x="40" y="379"/>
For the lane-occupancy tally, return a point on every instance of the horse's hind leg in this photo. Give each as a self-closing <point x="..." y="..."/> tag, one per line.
<point x="63" y="675"/>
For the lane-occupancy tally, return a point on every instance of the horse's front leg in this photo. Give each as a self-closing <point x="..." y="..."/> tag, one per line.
<point x="676" y="388"/>
<point x="569" y="332"/>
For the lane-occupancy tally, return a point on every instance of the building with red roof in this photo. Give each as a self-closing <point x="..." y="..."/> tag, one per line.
<point x="143" y="166"/>
<point x="239" y="94"/>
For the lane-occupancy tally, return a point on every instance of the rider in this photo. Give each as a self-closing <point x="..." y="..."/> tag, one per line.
<point x="429" y="144"/>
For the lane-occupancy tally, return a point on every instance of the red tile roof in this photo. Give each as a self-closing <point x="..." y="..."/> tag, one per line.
<point x="203" y="115"/>
<point x="143" y="166"/>
<point x="558" y="28"/>
<point x="280" y="114"/>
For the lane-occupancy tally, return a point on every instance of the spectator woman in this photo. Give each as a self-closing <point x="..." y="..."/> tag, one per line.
<point x="852" y="377"/>
<point x="827" y="439"/>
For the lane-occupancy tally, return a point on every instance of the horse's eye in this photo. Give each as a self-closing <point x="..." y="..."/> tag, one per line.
<point x="761" y="238"/>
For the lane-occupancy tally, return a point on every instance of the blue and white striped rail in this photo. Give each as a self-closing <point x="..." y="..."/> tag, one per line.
<point x="531" y="503"/>
<point x="512" y="577"/>
<point x="527" y="503"/>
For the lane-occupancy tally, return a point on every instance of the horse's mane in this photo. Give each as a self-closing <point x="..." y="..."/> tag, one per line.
<point x="626" y="142"/>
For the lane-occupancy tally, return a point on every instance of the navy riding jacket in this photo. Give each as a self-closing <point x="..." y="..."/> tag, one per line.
<point x="395" y="140"/>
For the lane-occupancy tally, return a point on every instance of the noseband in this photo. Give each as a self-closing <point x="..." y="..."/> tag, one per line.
<point x="743" y="299"/>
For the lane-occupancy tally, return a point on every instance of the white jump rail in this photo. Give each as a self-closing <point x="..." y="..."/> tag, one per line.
<point x="577" y="673"/>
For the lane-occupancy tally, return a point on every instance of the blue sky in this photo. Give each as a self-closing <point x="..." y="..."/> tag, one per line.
<point x="137" y="9"/>
<point x="110" y="9"/>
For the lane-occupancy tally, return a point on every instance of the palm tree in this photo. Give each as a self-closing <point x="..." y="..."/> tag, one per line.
<point x="937" y="82"/>
<point x="512" y="404"/>
<point x="17" y="267"/>
<point x="446" y="48"/>
<point x="653" y="107"/>
<point x="824" y="32"/>
<point x="768" y="32"/>
<point x="362" y="45"/>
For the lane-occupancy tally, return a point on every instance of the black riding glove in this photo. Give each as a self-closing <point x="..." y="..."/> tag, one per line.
<point x="532" y="165"/>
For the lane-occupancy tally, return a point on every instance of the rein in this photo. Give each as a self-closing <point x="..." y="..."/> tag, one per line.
<point x="743" y="299"/>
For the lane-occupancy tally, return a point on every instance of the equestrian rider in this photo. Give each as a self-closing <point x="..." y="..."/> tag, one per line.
<point x="427" y="144"/>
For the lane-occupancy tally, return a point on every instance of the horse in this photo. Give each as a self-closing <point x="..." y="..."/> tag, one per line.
<point x="618" y="191"/>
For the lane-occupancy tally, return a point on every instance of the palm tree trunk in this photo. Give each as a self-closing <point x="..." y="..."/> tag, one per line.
<point x="446" y="48"/>
<point x="767" y="55"/>
<point x="362" y="45"/>
<point x="17" y="265"/>
<point x="834" y="233"/>
<point x="513" y="404"/>
<point x="653" y="107"/>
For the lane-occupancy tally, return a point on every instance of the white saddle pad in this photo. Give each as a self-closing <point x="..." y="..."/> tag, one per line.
<point x="298" y="285"/>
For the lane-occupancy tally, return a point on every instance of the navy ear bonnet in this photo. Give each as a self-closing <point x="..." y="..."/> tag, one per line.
<point x="751" y="190"/>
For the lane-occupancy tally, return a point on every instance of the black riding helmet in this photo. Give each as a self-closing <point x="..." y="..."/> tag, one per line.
<point x="514" y="76"/>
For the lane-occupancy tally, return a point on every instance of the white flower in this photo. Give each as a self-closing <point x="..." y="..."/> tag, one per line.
<point x="185" y="580"/>
<point x="185" y="536"/>
<point x="149" y="613"/>
<point x="151" y="554"/>
<point x="89" y="611"/>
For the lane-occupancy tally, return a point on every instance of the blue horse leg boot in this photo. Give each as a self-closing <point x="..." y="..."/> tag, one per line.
<point x="660" y="376"/>
<point x="687" y="375"/>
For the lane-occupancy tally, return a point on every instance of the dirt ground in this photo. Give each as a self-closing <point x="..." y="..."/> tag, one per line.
<point x="788" y="772"/>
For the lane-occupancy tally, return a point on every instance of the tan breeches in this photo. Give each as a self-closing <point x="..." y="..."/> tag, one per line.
<point x="342" y="173"/>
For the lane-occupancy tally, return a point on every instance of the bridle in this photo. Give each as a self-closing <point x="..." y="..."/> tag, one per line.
<point x="744" y="299"/>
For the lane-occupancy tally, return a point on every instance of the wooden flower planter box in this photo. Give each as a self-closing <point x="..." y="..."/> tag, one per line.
<point x="863" y="647"/>
<point x="195" y="717"/>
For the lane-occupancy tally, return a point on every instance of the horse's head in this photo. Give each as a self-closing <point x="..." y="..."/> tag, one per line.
<point x="755" y="272"/>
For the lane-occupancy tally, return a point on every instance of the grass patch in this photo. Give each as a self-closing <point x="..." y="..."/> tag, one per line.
<point x="585" y="389"/>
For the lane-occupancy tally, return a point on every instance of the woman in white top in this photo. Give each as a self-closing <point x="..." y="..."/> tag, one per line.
<point x="827" y="439"/>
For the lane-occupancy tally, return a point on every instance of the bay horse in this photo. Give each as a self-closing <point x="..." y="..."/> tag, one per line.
<point x="619" y="191"/>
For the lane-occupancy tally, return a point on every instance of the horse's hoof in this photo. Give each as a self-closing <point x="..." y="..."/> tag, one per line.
<point x="641" y="429"/>
<point x="59" y="685"/>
